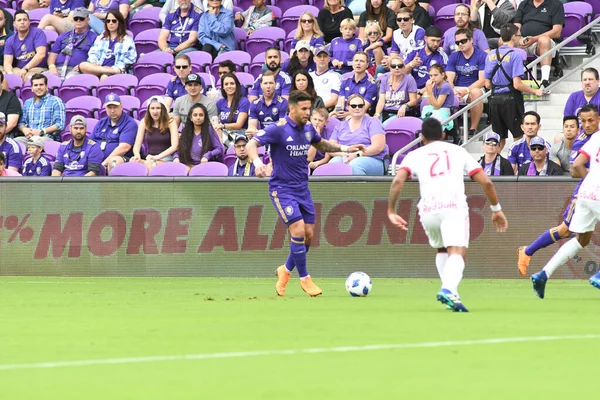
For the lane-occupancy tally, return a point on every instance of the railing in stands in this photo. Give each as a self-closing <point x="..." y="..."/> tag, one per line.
<point x="489" y="93"/>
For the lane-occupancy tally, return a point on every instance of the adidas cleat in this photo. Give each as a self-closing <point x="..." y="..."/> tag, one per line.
<point x="539" y="283"/>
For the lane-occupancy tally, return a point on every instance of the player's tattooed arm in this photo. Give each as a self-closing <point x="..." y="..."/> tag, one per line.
<point x="327" y="146"/>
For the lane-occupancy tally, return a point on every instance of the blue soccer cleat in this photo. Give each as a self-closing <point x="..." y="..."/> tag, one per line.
<point x="451" y="301"/>
<point x="595" y="280"/>
<point x="539" y="283"/>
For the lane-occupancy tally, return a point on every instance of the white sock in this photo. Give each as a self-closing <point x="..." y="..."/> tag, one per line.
<point x="563" y="255"/>
<point x="545" y="72"/>
<point x="453" y="272"/>
<point x="440" y="262"/>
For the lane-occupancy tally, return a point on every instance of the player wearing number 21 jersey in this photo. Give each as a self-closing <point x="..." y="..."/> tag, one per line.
<point x="440" y="168"/>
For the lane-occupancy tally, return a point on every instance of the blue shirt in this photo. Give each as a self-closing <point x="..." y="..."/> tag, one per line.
<point x="512" y="64"/>
<point x="289" y="147"/>
<point x="519" y="152"/>
<point x="344" y="50"/>
<point x="467" y="69"/>
<point x="421" y="73"/>
<point x="268" y="114"/>
<point x="40" y="168"/>
<point x="224" y="111"/>
<point x="217" y="30"/>
<point x="76" y="160"/>
<point x="180" y="28"/>
<point x="12" y="153"/>
<point x="49" y="111"/>
<point x="283" y="84"/>
<point x="56" y="6"/>
<point x="124" y="131"/>
<point x="577" y="100"/>
<point x="366" y="87"/>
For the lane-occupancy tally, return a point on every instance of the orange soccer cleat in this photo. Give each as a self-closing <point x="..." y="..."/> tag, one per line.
<point x="309" y="287"/>
<point x="283" y="276"/>
<point x="523" y="261"/>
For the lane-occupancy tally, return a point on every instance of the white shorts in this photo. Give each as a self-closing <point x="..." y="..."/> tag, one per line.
<point x="446" y="228"/>
<point x="587" y="214"/>
<point x="531" y="49"/>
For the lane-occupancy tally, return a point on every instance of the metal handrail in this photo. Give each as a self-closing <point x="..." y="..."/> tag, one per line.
<point x="489" y="93"/>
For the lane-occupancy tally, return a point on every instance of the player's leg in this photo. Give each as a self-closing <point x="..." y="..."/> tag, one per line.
<point x="307" y="209"/>
<point x="285" y="204"/>
<point x="440" y="262"/>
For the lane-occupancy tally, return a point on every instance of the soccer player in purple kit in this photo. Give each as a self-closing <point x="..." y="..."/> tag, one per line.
<point x="290" y="140"/>
<point x="590" y="122"/>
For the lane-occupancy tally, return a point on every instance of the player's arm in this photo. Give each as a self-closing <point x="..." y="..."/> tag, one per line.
<point x="498" y="218"/>
<point x="327" y="146"/>
<point x="252" y="150"/>
<point x="578" y="169"/>
<point x="395" y="190"/>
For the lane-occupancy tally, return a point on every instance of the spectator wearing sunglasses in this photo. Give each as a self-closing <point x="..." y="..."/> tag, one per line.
<point x="61" y="15"/>
<point x="374" y="47"/>
<point x="100" y="10"/>
<point x="377" y="13"/>
<point x="308" y="31"/>
<point x="179" y="34"/>
<point x="176" y="86"/>
<point x="397" y="93"/>
<point x="257" y="16"/>
<point x="462" y="21"/>
<point x="492" y="162"/>
<point x="420" y="14"/>
<point x="539" y="165"/>
<point x="71" y="48"/>
<point x="409" y="36"/>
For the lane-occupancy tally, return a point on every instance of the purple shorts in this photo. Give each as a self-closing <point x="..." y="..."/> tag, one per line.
<point x="569" y="211"/>
<point x="293" y="205"/>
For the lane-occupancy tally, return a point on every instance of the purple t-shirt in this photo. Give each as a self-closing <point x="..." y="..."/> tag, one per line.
<point x="446" y="89"/>
<point x="80" y="43"/>
<point x="180" y="28"/>
<point x="268" y="114"/>
<point x="40" y="168"/>
<point x="77" y="159"/>
<point x="512" y="64"/>
<point x="109" y="58"/>
<point x="66" y="8"/>
<point x="224" y="110"/>
<point x="124" y="131"/>
<point x="213" y="154"/>
<point x="519" y="152"/>
<point x="343" y="50"/>
<point x="314" y="42"/>
<point x="479" y="40"/>
<point x="421" y="73"/>
<point x="366" y="87"/>
<point x="102" y="8"/>
<point x="396" y="98"/>
<point x="369" y="127"/>
<point x="467" y="69"/>
<point x="283" y="85"/>
<point x="577" y="100"/>
<point x="12" y="153"/>
<point x="24" y="50"/>
<point x="289" y="147"/>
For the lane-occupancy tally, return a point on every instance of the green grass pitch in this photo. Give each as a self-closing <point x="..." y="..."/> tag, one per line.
<point x="239" y="332"/>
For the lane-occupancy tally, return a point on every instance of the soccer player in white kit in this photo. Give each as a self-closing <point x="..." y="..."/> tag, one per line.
<point x="585" y="218"/>
<point x="440" y="167"/>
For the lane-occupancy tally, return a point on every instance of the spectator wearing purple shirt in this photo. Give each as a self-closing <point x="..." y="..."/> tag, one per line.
<point x="268" y="108"/>
<point x="79" y="156"/>
<point x="365" y="130"/>
<point x="590" y="82"/>
<point x="465" y="72"/>
<point x="308" y="31"/>
<point x="199" y="143"/>
<point x="115" y="133"/>
<point x="440" y="97"/>
<point x="361" y="83"/>
<point x="242" y="166"/>
<point x="72" y="47"/>
<point x="60" y="18"/>
<point x="10" y="148"/>
<point x="37" y="164"/>
<point x="319" y="120"/>
<point x="179" y="33"/>
<point x="492" y="162"/>
<point x="419" y="61"/>
<point x="462" y="21"/>
<point x="397" y="93"/>
<point x="25" y="51"/>
<point x="518" y="152"/>
<point x="232" y="109"/>
<point x="342" y="50"/>
<point x="290" y="140"/>
<point x="100" y="9"/>
<point x="283" y="82"/>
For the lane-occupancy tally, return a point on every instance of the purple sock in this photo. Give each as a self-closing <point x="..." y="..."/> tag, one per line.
<point x="298" y="252"/>
<point x="546" y="239"/>
<point x="289" y="263"/>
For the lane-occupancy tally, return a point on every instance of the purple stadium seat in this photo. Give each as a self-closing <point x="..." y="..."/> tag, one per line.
<point x="287" y="4"/>
<point x="169" y="169"/>
<point x="51" y="148"/>
<point x="259" y="60"/>
<point x="144" y="19"/>
<point x="51" y="36"/>
<point x="277" y="13"/>
<point x="129" y="169"/>
<point x="576" y="14"/>
<point x="289" y="20"/>
<point x="11" y="10"/>
<point x="240" y="58"/>
<point x="240" y="38"/>
<point x="336" y="168"/>
<point x="595" y="6"/>
<point x="438" y="4"/>
<point x="201" y="60"/>
<point x="121" y="84"/>
<point x="152" y="85"/>
<point x="53" y="83"/>
<point x="431" y="13"/>
<point x="445" y="17"/>
<point x="210" y="168"/>
<point x="287" y="43"/>
<point x="243" y="4"/>
<point x="153" y="63"/>
<point x="244" y="77"/>
<point x="260" y="40"/>
<point x="36" y="15"/>
<point x="131" y="105"/>
<point x="401" y="131"/>
<point x="14" y="83"/>
<point x="78" y="85"/>
<point x="147" y="41"/>
<point x="91" y="124"/>
<point x="23" y="148"/>
<point x="87" y="106"/>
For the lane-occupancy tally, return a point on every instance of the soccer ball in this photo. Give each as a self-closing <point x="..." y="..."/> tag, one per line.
<point x="358" y="284"/>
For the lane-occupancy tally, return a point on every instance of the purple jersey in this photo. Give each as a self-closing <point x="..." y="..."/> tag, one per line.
<point x="283" y="85"/>
<point x="579" y="142"/>
<point x="421" y="73"/>
<point x="512" y="64"/>
<point x="268" y="114"/>
<point x="102" y="6"/>
<point x="109" y="57"/>
<point x="76" y="160"/>
<point x="289" y="147"/>
<point x="448" y="91"/>
<point x="366" y="87"/>
<point x="180" y="28"/>
<point x="519" y="152"/>
<point x="176" y="88"/>
<point x="466" y="69"/>
<point x="394" y="99"/>
<point x="109" y="136"/>
<point x="12" y="153"/>
<point x="78" y="44"/>
<point x="369" y="127"/>
<point x="41" y="167"/>
<point x="56" y="6"/>
<point x="343" y="50"/>
<point x="224" y="111"/>
<point x="23" y="51"/>
<point x="479" y="40"/>
<point x="577" y="100"/>
<point x="315" y="41"/>
<point x="237" y="169"/>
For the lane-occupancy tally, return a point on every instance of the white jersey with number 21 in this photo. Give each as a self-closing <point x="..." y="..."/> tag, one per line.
<point x="440" y="168"/>
<point x="590" y="187"/>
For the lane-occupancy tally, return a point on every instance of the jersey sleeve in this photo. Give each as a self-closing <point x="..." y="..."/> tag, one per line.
<point x="408" y="164"/>
<point x="269" y="135"/>
<point x="589" y="149"/>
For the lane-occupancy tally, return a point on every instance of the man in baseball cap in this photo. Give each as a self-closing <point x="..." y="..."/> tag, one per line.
<point x="242" y="166"/>
<point x="327" y="81"/>
<point x="79" y="156"/>
<point x="539" y="164"/>
<point x="183" y="104"/>
<point x="492" y="162"/>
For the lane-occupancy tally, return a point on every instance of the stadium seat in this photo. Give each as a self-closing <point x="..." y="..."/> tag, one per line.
<point x="211" y="168"/>
<point x="51" y="148"/>
<point x="145" y="19"/>
<point x="201" y="61"/>
<point x="289" y="20"/>
<point x="86" y="106"/>
<point x="287" y="43"/>
<point x="51" y="37"/>
<point x="76" y="86"/>
<point x="400" y="132"/>
<point x="444" y="19"/>
<point x="153" y="63"/>
<point x="577" y="15"/>
<point x="147" y="41"/>
<point x="287" y="4"/>
<point x="152" y="85"/>
<point x="277" y="13"/>
<point x="260" y="40"/>
<point x="53" y="83"/>
<point x="244" y="77"/>
<point x="15" y="82"/>
<point x="131" y="105"/>
<point x="438" y="4"/>
<point x="240" y="58"/>
<point x="129" y="169"/>
<point x="336" y="168"/>
<point x="121" y="84"/>
<point x="170" y="169"/>
<point x="36" y="15"/>
<point x="240" y="38"/>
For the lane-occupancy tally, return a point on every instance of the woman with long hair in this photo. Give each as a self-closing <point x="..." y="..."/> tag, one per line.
<point x="331" y="16"/>
<point x="157" y="132"/>
<point x="373" y="46"/>
<point x="113" y="51"/>
<point x="302" y="59"/>
<point x="397" y="92"/>
<point x="378" y="12"/>
<point x="308" y="31"/>
<point x="99" y="10"/>
<point x="232" y="109"/>
<point x="303" y="81"/>
<point x="198" y="142"/>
